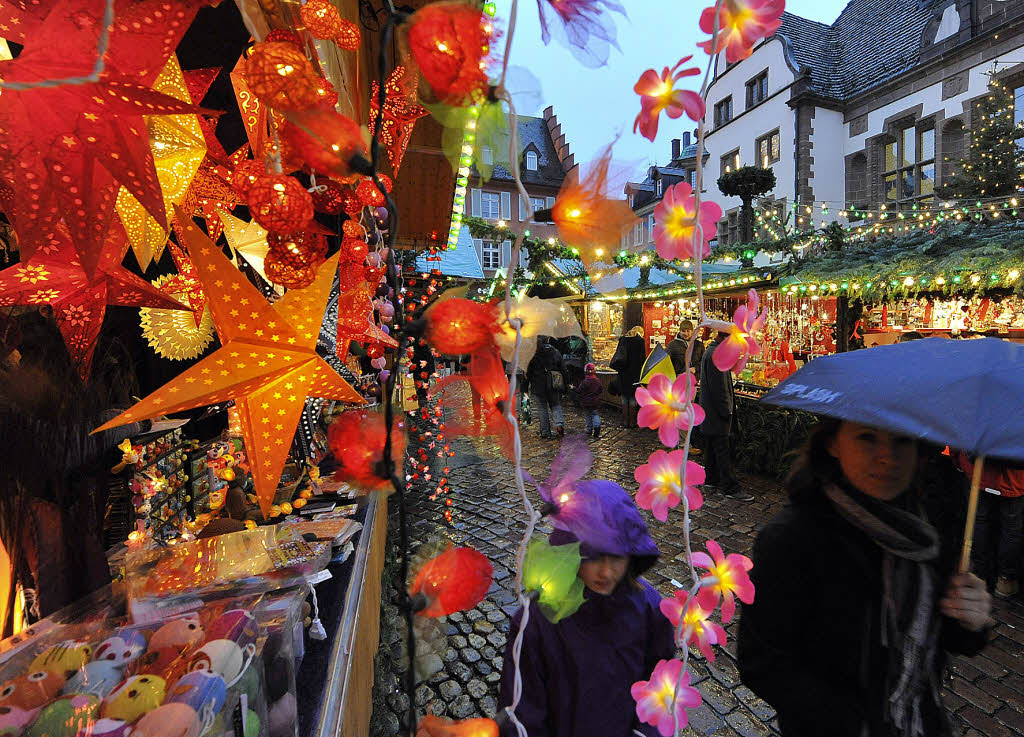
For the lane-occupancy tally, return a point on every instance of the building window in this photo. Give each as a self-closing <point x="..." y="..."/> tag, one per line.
<point x="692" y="177"/>
<point x="768" y="148"/>
<point x="1018" y="106"/>
<point x="650" y="227"/>
<point x="657" y="187"/>
<point x="490" y="205"/>
<point x="637" y="234"/>
<point x="490" y="255"/>
<point x="630" y="199"/>
<point x="487" y="156"/>
<point x="537" y="203"/>
<point x="723" y="111"/>
<point x="757" y="89"/>
<point x="909" y="166"/>
<point x="731" y="162"/>
<point x="734" y="227"/>
<point x="531" y="160"/>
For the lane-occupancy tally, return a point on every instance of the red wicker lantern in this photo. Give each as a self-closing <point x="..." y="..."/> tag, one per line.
<point x="279" y="203"/>
<point x="279" y="272"/>
<point x="455" y="580"/>
<point x="279" y="35"/>
<point x="459" y="326"/>
<point x="352" y="229"/>
<point x="354" y="250"/>
<point x="449" y="42"/>
<point x="326" y="142"/>
<point x="331" y="198"/>
<point x="280" y="75"/>
<point x="328" y="95"/>
<point x="298" y="250"/>
<point x="349" y="38"/>
<point x="352" y="204"/>
<point x="321" y="18"/>
<point x="368" y="193"/>
<point x="246" y="174"/>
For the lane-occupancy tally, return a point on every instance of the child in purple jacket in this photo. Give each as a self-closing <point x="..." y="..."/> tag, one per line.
<point x="590" y="399"/>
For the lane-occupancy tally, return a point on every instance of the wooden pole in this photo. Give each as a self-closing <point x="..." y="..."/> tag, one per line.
<point x="972" y="510"/>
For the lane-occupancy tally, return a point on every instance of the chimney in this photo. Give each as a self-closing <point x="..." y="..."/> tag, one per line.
<point x="675" y="148"/>
<point x="686" y="139"/>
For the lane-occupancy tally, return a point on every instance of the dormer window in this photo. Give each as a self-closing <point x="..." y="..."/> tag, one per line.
<point x="657" y="187"/>
<point x="531" y="161"/>
<point x="630" y="199"/>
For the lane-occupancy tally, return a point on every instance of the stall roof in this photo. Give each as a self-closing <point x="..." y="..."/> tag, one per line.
<point x="459" y="261"/>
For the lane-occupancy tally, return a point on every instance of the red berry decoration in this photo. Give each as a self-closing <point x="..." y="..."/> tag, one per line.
<point x="368" y="193"/>
<point x="349" y="38"/>
<point x="279" y="203"/>
<point x="329" y="197"/>
<point x="321" y="18"/>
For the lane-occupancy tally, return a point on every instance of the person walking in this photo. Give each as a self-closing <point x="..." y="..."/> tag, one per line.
<point x="546" y="379"/>
<point x="628" y="362"/>
<point x="677" y="350"/>
<point x="589" y="392"/>
<point x="719" y="403"/>
<point x="857" y="593"/>
<point x="998" y="533"/>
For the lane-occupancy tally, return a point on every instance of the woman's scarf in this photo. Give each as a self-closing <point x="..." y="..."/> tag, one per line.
<point x="909" y="628"/>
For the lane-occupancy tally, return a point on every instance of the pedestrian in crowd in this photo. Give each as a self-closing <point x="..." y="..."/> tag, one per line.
<point x="628" y="361"/>
<point x="461" y="367"/>
<point x="719" y="403"/>
<point x="576" y="358"/>
<point x="999" y="526"/>
<point x="589" y="392"/>
<point x="857" y="594"/>
<point x="576" y="674"/>
<point x="909" y="336"/>
<point x="677" y="350"/>
<point x="546" y="379"/>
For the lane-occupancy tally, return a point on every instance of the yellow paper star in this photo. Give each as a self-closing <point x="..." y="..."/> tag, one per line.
<point x="248" y="240"/>
<point x="290" y="358"/>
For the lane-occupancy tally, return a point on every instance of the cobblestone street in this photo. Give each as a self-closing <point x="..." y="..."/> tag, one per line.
<point x="986" y="692"/>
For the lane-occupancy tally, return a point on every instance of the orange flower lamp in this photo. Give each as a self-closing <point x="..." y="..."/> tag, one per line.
<point x="432" y="726"/>
<point x="357" y="441"/>
<point x="449" y="41"/>
<point x="458" y="326"/>
<point x="453" y="581"/>
<point x="327" y="142"/>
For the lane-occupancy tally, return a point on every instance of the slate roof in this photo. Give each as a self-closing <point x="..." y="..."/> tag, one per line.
<point x="549" y="169"/>
<point x="870" y="42"/>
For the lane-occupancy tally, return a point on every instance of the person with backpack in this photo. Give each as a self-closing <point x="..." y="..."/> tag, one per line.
<point x="589" y="392"/>
<point x="546" y="379"/>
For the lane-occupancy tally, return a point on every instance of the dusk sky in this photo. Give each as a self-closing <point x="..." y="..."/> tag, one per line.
<point x="594" y="105"/>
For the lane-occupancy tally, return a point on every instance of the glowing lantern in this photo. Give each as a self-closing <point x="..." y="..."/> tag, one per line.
<point x="368" y="193"/>
<point x="357" y="441"/>
<point x="354" y="250"/>
<point x="279" y="203"/>
<point x="550" y="572"/>
<point x="349" y="38"/>
<point x="352" y="229"/>
<point x="327" y="142"/>
<point x="329" y="197"/>
<point x="281" y="76"/>
<point x="457" y="326"/>
<point x="299" y="249"/>
<point x="453" y="581"/>
<point x="321" y="18"/>
<point x="280" y="272"/>
<point x="449" y="42"/>
<point x="246" y="174"/>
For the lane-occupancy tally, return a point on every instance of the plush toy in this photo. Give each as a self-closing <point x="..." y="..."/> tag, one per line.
<point x="106" y="728"/>
<point x="65" y="717"/>
<point x="169" y="720"/>
<point x="97" y="678"/>
<point x="31" y="692"/>
<point x="205" y="692"/>
<point x="14" y="720"/>
<point x="236" y="625"/>
<point x="134" y="697"/>
<point x="222" y="657"/>
<point x="123" y="649"/>
<point x="282" y="716"/>
<point x="65" y="658"/>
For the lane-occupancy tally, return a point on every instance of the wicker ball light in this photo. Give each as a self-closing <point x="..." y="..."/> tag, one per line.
<point x="279" y="35"/>
<point x="329" y="197"/>
<point x="349" y="38"/>
<point x="281" y="76"/>
<point x="278" y="272"/>
<point x="352" y="229"/>
<point x="246" y="174"/>
<point x="321" y="18"/>
<point x="279" y="203"/>
<point x="354" y="250"/>
<point x="368" y="193"/>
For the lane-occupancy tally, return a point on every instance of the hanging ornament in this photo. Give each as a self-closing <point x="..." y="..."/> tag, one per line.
<point x="322" y="19"/>
<point x="368" y="193"/>
<point x="280" y="35"/>
<point x="279" y="203"/>
<point x="400" y="113"/>
<point x="357" y="439"/>
<point x="327" y="142"/>
<point x="458" y="327"/>
<point x="246" y="174"/>
<point x="281" y="76"/>
<point x="328" y="197"/>
<point x="455" y="580"/>
<point x="352" y="229"/>
<point x="174" y="334"/>
<point x="352" y="204"/>
<point x="349" y="38"/>
<point x="551" y="573"/>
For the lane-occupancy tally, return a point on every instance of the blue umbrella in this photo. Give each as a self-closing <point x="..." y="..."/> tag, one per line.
<point x="967" y="394"/>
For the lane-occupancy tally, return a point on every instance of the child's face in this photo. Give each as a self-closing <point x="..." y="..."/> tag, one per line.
<point x="604" y="573"/>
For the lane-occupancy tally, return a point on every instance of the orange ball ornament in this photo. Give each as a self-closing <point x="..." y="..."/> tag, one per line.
<point x="354" y="249"/>
<point x="279" y="271"/>
<point x="246" y="174"/>
<point x="298" y="250"/>
<point x="329" y="197"/>
<point x="279" y="203"/>
<point x="286" y="508"/>
<point x="352" y="229"/>
<point x="349" y="38"/>
<point x="322" y="19"/>
<point x="357" y="439"/>
<point x="460" y="326"/>
<point x="280" y="75"/>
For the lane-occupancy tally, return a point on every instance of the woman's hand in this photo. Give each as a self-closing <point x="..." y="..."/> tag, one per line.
<point x="967" y="601"/>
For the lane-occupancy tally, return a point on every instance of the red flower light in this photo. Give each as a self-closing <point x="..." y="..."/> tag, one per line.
<point x="279" y="203"/>
<point x="658" y="94"/>
<point x="449" y="42"/>
<point x="326" y="142"/>
<point x="432" y="726"/>
<point x="455" y="580"/>
<point x="357" y="441"/>
<point x="457" y="326"/>
<point x="487" y="380"/>
<point x="741" y="24"/>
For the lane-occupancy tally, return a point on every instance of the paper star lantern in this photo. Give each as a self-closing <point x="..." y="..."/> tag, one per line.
<point x="198" y="82"/>
<point x="65" y="149"/>
<point x="186" y="283"/>
<point x="178" y="148"/>
<point x="267" y="362"/>
<point x="174" y="334"/>
<point x="55" y="276"/>
<point x="211" y="190"/>
<point x="254" y="113"/>
<point x="355" y="311"/>
<point x="249" y="241"/>
<point x="400" y="113"/>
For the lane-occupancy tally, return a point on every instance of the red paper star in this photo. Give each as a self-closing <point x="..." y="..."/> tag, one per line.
<point x="55" y="276"/>
<point x="400" y="113"/>
<point x="355" y="311"/>
<point x="198" y="82"/>
<point x="186" y="282"/>
<point x="65" y="149"/>
<point x="211" y="191"/>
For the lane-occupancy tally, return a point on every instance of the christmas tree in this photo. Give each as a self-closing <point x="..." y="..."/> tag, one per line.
<point x="994" y="166"/>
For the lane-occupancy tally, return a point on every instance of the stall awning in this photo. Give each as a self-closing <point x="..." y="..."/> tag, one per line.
<point x="461" y="261"/>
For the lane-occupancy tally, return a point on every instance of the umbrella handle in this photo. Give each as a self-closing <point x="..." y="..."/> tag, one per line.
<point x="972" y="510"/>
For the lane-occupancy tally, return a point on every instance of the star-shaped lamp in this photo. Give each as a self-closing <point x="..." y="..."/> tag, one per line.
<point x="54" y="275"/>
<point x="267" y="363"/>
<point x="355" y="312"/>
<point x="400" y="113"/>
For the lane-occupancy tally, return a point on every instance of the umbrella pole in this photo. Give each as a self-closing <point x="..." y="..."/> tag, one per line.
<point x="972" y="510"/>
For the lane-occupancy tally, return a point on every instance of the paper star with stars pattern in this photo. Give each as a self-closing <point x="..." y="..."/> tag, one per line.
<point x="267" y="362"/>
<point x="355" y="311"/>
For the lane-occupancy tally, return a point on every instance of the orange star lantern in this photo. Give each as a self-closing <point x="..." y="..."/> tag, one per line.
<point x="267" y="363"/>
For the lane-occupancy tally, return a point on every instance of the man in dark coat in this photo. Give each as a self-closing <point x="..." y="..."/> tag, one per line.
<point x="546" y="401"/>
<point x="677" y="350"/>
<point x="628" y="362"/>
<point x="718" y="401"/>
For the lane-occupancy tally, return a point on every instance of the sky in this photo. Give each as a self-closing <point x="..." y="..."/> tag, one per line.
<point x="595" y="105"/>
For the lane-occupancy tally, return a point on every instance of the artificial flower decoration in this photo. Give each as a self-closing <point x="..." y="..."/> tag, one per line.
<point x="455" y="580"/>
<point x="662" y="701"/>
<point x="658" y="94"/>
<point x="551" y="573"/>
<point x="536" y="317"/>
<point x="357" y="439"/>
<point x="661" y="485"/>
<point x="486" y="379"/>
<point x="732" y="353"/>
<point x="588" y="216"/>
<point x="449" y="41"/>
<point x="458" y="327"/>
<point x="733" y="579"/>
<point x="327" y="142"/>
<point x="675" y="219"/>
<point x="584" y="27"/>
<point x="434" y="726"/>
<point x="667" y="406"/>
<point x="741" y="24"/>
<point x="696" y="626"/>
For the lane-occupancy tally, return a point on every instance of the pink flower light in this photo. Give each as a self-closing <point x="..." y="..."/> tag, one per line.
<point x="657" y="701"/>
<point x="668" y="407"/>
<point x="696" y="625"/>
<point x="676" y="220"/>
<point x="733" y="579"/>
<point x="741" y="24"/>
<point x="584" y="27"/>
<point x="732" y="353"/>
<point x="658" y="94"/>
<point x="660" y="483"/>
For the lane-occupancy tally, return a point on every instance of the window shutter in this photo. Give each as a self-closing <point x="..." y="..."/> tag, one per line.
<point x="506" y="205"/>
<point x="549" y="202"/>
<point x="506" y="253"/>
<point x="474" y="202"/>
